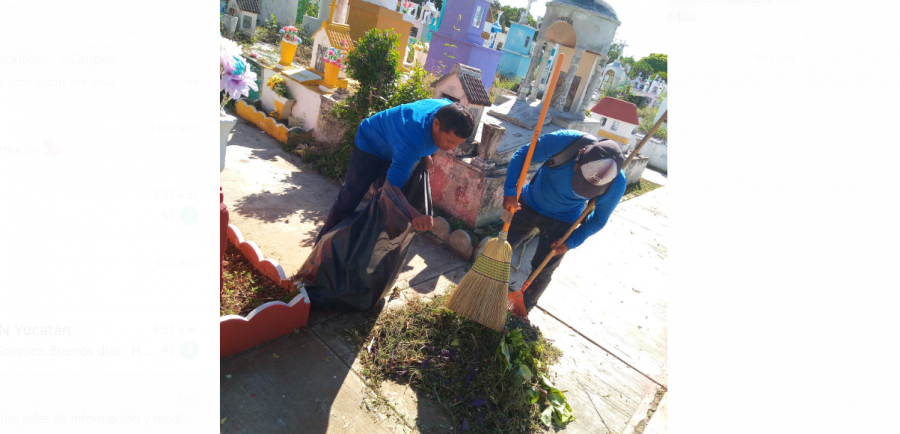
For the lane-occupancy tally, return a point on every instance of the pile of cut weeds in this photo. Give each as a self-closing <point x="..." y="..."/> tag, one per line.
<point x="488" y="381"/>
<point x="245" y="287"/>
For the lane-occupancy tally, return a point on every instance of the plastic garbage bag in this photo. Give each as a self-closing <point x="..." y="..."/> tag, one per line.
<point x="355" y="264"/>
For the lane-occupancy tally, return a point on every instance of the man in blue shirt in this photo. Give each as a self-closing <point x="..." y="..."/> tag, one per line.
<point x="556" y="197"/>
<point x="388" y="145"/>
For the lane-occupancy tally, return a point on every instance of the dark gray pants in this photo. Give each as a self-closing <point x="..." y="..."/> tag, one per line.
<point x="551" y="230"/>
<point x="364" y="170"/>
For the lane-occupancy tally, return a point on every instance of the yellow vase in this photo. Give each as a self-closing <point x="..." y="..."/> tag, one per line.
<point x="331" y="75"/>
<point x="288" y="49"/>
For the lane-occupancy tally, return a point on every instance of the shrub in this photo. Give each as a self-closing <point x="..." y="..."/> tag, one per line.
<point x="646" y="115"/>
<point x="307" y="8"/>
<point x="502" y="81"/>
<point x="416" y="87"/>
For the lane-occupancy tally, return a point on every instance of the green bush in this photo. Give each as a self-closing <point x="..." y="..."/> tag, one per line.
<point x="416" y="87"/>
<point x="646" y="115"/>
<point x="307" y="8"/>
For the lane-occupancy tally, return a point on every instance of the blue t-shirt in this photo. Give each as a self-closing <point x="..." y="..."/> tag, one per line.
<point x="401" y="135"/>
<point x="552" y="195"/>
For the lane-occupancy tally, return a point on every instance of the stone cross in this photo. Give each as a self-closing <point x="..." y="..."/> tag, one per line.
<point x="524" y="18"/>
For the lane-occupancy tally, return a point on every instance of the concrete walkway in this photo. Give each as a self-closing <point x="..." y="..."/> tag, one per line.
<point x="605" y="309"/>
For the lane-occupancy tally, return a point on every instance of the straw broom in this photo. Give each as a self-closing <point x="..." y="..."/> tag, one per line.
<point x="482" y="294"/>
<point x="515" y="301"/>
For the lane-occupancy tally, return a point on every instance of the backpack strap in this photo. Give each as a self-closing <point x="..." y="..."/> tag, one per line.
<point x="568" y="153"/>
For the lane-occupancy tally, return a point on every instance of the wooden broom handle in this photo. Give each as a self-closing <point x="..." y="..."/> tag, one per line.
<point x="590" y="204"/>
<point x="548" y="95"/>
<point x="647" y="137"/>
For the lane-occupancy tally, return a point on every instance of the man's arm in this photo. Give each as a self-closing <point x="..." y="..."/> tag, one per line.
<point x="596" y="220"/>
<point x="514" y="169"/>
<point x="547" y="146"/>
<point x="397" y="175"/>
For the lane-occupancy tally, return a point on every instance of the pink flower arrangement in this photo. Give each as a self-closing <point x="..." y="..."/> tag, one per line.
<point x="337" y="57"/>
<point x="290" y="33"/>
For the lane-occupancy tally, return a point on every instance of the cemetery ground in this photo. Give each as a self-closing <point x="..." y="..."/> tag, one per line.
<point x="605" y="310"/>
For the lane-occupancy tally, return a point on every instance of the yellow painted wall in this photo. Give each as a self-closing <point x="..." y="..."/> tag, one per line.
<point x="584" y="68"/>
<point x="366" y="16"/>
<point x="267" y="124"/>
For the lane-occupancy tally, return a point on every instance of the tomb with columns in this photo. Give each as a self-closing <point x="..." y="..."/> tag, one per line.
<point x="470" y="183"/>
<point x="584" y="31"/>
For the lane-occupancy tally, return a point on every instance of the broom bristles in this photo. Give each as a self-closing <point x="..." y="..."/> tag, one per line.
<point x="481" y="295"/>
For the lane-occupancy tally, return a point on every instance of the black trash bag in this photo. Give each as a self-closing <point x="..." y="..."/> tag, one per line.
<point x="355" y="264"/>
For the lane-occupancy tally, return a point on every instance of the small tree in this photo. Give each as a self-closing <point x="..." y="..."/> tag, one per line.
<point x="374" y="63"/>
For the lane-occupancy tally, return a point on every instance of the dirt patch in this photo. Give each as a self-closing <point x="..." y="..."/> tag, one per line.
<point x="302" y="55"/>
<point x="245" y="287"/>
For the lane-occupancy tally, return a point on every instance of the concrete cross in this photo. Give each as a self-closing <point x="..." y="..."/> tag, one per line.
<point x="524" y="18"/>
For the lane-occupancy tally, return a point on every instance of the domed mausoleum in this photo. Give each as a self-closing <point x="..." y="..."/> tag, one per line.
<point x="584" y="30"/>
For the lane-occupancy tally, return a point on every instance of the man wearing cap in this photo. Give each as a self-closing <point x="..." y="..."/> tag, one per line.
<point x="556" y="197"/>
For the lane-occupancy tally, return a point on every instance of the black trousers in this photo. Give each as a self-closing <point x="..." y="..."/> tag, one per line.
<point x="364" y="170"/>
<point x="551" y="229"/>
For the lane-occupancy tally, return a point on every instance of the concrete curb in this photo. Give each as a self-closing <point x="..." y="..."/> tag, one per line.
<point x="266" y="322"/>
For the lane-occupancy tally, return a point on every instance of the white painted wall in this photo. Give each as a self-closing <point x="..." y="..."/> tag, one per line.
<point x="266" y="95"/>
<point x="308" y="104"/>
<point x="285" y="11"/>
<point x="232" y="4"/>
<point x="501" y="38"/>
<point x="624" y="129"/>
<point x="658" y="153"/>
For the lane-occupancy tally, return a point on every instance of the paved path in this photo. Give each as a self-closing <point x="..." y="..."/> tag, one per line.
<point x="280" y="204"/>
<point x="606" y="310"/>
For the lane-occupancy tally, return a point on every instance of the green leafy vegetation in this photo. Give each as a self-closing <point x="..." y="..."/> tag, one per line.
<point x="308" y="8"/>
<point x="615" y="50"/>
<point x="651" y="65"/>
<point x="639" y="188"/>
<point x="510" y="15"/>
<point x="488" y="381"/>
<point x="647" y="115"/>
<point x="504" y="82"/>
<point x="624" y="94"/>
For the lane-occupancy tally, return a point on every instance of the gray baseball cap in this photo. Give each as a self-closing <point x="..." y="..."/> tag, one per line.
<point x="598" y="165"/>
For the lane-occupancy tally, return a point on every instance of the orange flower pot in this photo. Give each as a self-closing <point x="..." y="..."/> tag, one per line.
<point x="331" y="75"/>
<point x="288" y="49"/>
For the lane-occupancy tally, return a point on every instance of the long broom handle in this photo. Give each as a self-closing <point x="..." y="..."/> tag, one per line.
<point x="647" y="137"/>
<point x="590" y="204"/>
<point x="548" y="95"/>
